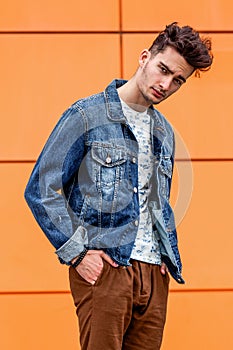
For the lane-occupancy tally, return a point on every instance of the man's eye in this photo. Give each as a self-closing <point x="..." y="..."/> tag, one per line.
<point x="178" y="82"/>
<point x="163" y="69"/>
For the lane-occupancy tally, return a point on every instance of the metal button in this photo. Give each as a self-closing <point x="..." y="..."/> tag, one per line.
<point x="135" y="189"/>
<point x="108" y="160"/>
<point x="136" y="222"/>
<point x="134" y="160"/>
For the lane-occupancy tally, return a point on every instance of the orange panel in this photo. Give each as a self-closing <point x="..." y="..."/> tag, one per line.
<point x="204" y="234"/>
<point x="199" y="321"/>
<point x="205" y="238"/>
<point x="202" y="110"/>
<point x="27" y="260"/>
<point x="49" y="15"/>
<point x="195" y="321"/>
<point x="41" y="75"/>
<point x="38" y="322"/>
<point x="152" y="15"/>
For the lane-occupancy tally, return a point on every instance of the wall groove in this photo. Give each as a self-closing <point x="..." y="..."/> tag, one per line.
<point x="28" y="161"/>
<point x="120" y="31"/>
<point x="191" y="290"/>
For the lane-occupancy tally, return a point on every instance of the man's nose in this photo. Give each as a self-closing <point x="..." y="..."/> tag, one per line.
<point x="165" y="83"/>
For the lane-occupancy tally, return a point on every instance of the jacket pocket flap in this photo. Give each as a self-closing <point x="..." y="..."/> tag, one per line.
<point x="166" y="166"/>
<point x="108" y="155"/>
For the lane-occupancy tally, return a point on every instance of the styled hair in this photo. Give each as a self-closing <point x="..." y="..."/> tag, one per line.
<point x="196" y="50"/>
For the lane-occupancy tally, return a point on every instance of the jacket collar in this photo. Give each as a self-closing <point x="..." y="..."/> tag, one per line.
<point x="113" y="103"/>
<point x="114" y="109"/>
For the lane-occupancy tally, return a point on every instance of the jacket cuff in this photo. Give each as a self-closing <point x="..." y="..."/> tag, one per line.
<point x="74" y="246"/>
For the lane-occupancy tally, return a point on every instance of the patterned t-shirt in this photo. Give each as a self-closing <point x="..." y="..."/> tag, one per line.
<point x="146" y="247"/>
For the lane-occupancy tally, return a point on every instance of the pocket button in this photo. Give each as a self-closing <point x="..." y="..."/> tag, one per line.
<point x="108" y="160"/>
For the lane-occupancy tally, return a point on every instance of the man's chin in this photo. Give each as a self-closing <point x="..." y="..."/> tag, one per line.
<point x="157" y="101"/>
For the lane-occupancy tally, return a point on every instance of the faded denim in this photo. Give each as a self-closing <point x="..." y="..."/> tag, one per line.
<point x="82" y="188"/>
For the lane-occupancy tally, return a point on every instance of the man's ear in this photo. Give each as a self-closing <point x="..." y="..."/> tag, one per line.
<point x="144" y="57"/>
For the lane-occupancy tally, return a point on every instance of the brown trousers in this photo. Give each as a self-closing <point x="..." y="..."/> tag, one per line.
<point x="124" y="310"/>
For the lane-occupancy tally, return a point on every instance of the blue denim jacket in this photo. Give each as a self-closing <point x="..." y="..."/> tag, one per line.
<point x="82" y="190"/>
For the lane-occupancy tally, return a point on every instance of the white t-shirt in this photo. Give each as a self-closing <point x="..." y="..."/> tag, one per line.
<point x="146" y="247"/>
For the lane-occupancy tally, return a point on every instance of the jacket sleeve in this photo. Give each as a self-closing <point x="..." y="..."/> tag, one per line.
<point x="56" y="166"/>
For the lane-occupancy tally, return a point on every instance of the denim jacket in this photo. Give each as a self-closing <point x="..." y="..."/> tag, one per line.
<point x="83" y="188"/>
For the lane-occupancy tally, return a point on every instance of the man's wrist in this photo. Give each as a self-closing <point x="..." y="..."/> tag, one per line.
<point x="79" y="258"/>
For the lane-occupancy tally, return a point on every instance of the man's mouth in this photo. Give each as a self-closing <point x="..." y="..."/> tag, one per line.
<point x="157" y="93"/>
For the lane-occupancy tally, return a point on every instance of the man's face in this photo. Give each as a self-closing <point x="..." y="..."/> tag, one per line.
<point x="160" y="76"/>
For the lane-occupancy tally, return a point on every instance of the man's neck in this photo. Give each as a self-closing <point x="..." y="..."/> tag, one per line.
<point x="128" y="93"/>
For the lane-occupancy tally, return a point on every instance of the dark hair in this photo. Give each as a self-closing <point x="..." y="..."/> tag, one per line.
<point x="195" y="50"/>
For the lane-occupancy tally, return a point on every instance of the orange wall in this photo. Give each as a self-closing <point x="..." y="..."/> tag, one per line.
<point x="54" y="52"/>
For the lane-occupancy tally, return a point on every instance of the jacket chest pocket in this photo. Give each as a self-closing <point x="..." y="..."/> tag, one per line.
<point x="109" y="164"/>
<point x="165" y="173"/>
<point x="166" y="166"/>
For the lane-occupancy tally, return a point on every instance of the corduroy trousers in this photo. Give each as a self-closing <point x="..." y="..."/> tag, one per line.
<point x="124" y="310"/>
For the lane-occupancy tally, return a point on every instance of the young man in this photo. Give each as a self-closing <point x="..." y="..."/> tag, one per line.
<point x="100" y="192"/>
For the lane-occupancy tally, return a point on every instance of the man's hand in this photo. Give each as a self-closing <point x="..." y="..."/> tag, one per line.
<point x="92" y="265"/>
<point x="163" y="269"/>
